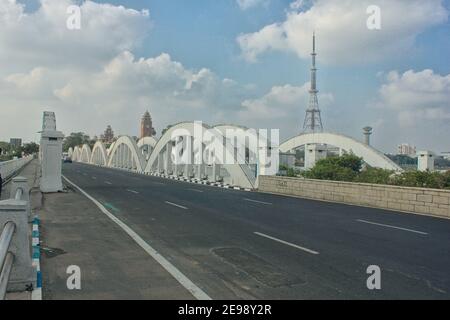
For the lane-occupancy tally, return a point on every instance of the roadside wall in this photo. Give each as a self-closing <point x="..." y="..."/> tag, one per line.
<point x="416" y="200"/>
<point x="8" y="168"/>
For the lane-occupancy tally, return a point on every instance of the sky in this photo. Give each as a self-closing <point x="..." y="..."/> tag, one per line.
<point x="240" y="62"/>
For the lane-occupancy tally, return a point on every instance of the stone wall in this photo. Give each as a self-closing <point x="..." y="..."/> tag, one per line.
<point x="416" y="200"/>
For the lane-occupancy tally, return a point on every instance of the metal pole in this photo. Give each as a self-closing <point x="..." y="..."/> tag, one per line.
<point x="5" y="240"/>
<point x="4" y="275"/>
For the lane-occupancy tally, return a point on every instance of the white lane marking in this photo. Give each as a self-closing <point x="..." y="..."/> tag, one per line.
<point x="95" y="178"/>
<point x="159" y="183"/>
<point x="198" y="293"/>
<point x="195" y="190"/>
<point x="84" y="174"/>
<point x="176" y="205"/>
<point x="286" y="243"/>
<point x="256" y="201"/>
<point x="107" y="182"/>
<point x="393" y="227"/>
<point x="132" y="191"/>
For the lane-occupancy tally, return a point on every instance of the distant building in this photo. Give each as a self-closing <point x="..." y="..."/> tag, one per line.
<point x="406" y="149"/>
<point x="147" y="129"/>
<point x="15" y="142"/>
<point x="108" y="136"/>
<point x="446" y="155"/>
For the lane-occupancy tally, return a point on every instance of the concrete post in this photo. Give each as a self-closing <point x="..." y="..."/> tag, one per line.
<point x="215" y="172"/>
<point x="425" y="161"/>
<point x="51" y="155"/>
<point x="22" y="275"/>
<point x="22" y="183"/>
<point x="168" y="159"/>
<point x="313" y="153"/>
<point x="200" y="171"/>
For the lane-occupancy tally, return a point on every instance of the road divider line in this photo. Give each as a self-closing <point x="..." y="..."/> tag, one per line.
<point x="176" y="205"/>
<point x="393" y="227"/>
<point x="132" y="191"/>
<point x="286" y="243"/>
<point x="95" y="178"/>
<point x="107" y="182"/>
<point x="257" y="201"/>
<point x="195" y="190"/>
<point x="198" y="293"/>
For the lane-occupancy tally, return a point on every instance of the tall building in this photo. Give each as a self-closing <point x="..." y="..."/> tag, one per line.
<point x="108" y="136"/>
<point x="15" y="142"/>
<point x="406" y="150"/>
<point x="313" y="120"/>
<point x="147" y="129"/>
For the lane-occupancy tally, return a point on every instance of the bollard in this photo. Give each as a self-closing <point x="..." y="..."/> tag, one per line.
<point x="22" y="275"/>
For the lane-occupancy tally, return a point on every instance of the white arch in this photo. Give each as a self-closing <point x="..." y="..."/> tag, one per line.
<point x="76" y="156"/>
<point x="86" y="154"/>
<point x="146" y="146"/>
<point x="371" y="156"/>
<point x="239" y="173"/>
<point x="99" y="154"/>
<point x="125" y="154"/>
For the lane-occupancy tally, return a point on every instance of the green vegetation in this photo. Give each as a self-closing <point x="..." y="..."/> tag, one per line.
<point x="350" y="168"/>
<point x="75" y="139"/>
<point x="290" y="172"/>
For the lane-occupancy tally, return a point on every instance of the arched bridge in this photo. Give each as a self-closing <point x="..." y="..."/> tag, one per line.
<point x="184" y="153"/>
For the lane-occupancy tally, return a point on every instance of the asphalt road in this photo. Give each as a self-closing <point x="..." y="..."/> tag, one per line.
<point x="248" y="245"/>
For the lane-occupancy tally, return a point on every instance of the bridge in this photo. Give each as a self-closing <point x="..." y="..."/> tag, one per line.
<point x="138" y="224"/>
<point x="151" y="156"/>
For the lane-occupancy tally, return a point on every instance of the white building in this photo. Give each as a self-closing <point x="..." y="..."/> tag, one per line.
<point x="406" y="149"/>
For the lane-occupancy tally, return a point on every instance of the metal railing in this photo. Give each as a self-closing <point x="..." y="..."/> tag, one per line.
<point x="6" y="257"/>
<point x="15" y="253"/>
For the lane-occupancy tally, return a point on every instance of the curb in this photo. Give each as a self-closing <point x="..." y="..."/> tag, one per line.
<point x="36" y="294"/>
<point x="203" y="182"/>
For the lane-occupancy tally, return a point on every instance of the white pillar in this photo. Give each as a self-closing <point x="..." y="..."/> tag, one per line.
<point x="51" y="155"/>
<point x="168" y="159"/>
<point x="313" y="153"/>
<point x="425" y="161"/>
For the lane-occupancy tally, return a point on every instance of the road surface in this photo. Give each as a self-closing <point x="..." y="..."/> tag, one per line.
<point x="247" y="245"/>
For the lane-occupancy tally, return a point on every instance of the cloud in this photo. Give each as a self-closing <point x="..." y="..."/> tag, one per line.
<point x="417" y="97"/>
<point x="41" y="38"/>
<point x="247" y="4"/>
<point x="334" y="21"/>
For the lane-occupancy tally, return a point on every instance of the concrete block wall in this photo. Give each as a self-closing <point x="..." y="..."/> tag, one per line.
<point x="416" y="200"/>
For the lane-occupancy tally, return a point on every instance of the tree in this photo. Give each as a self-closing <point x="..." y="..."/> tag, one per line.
<point x="75" y="139"/>
<point x="30" y="148"/>
<point x="343" y="168"/>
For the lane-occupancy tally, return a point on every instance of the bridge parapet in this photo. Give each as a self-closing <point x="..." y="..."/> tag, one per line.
<point x="15" y="248"/>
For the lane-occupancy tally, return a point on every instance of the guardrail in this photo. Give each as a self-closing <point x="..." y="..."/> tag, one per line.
<point x="9" y="168"/>
<point x="16" y="271"/>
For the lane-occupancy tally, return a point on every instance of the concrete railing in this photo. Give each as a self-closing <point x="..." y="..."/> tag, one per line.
<point x="9" y="168"/>
<point x="433" y="202"/>
<point x="15" y="248"/>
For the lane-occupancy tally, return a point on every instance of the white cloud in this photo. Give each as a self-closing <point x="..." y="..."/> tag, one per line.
<point x="42" y="39"/>
<point x="334" y="22"/>
<point x="247" y="4"/>
<point x="417" y="97"/>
